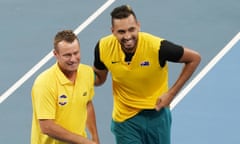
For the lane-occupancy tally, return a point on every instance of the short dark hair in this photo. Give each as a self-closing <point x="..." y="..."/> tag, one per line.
<point x="121" y="12"/>
<point x="65" y="35"/>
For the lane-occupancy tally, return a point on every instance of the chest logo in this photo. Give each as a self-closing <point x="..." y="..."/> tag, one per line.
<point x="62" y="100"/>
<point x="84" y="94"/>
<point x="114" y="62"/>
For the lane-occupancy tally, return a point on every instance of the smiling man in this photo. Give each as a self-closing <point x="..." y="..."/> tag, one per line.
<point x="138" y="65"/>
<point x="62" y="97"/>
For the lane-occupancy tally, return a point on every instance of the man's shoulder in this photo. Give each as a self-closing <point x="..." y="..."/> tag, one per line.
<point x="108" y="38"/>
<point x="47" y="74"/>
<point x="149" y="35"/>
<point x="85" y="67"/>
<point x="108" y="41"/>
<point x="150" y="40"/>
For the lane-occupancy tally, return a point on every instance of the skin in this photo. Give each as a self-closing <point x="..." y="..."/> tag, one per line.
<point x="68" y="58"/>
<point x="126" y="31"/>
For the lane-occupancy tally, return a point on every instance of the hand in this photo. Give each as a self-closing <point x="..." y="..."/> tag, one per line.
<point x="163" y="101"/>
<point x="87" y="141"/>
<point x="90" y="142"/>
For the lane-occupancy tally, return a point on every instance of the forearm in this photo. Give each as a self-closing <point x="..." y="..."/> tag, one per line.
<point x="57" y="132"/>
<point x="190" y="65"/>
<point x="191" y="60"/>
<point x="184" y="76"/>
<point x="100" y="76"/>
<point x="91" y="123"/>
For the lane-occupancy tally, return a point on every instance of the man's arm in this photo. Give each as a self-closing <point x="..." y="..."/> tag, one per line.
<point x="91" y="122"/>
<point x="99" y="67"/>
<point x="100" y="76"/>
<point x="191" y="59"/>
<point x="53" y="130"/>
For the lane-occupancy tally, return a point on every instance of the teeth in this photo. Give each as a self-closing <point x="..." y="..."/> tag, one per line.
<point x="129" y="41"/>
<point x="71" y="64"/>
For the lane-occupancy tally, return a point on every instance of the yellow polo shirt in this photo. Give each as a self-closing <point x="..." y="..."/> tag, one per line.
<point x="137" y="85"/>
<point x="55" y="97"/>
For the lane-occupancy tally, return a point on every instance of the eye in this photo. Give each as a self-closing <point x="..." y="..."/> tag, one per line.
<point x="132" y="29"/>
<point x="76" y="53"/>
<point x="67" y="55"/>
<point x="121" y="31"/>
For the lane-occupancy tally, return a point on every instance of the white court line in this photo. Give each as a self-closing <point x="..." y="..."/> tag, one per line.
<point x="25" y="77"/>
<point x="205" y="70"/>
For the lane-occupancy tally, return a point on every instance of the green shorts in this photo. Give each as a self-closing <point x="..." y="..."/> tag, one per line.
<point x="147" y="127"/>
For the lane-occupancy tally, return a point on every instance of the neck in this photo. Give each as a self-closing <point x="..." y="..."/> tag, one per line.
<point x="71" y="75"/>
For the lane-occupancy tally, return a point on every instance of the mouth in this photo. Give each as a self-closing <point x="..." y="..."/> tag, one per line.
<point x="128" y="42"/>
<point x="72" y="64"/>
<point x="128" y="45"/>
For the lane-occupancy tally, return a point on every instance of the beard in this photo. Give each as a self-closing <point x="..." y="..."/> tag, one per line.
<point x="129" y="45"/>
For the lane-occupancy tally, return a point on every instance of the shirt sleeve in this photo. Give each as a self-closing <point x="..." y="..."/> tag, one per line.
<point x="97" y="61"/>
<point x="169" y="52"/>
<point x="44" y="102"/>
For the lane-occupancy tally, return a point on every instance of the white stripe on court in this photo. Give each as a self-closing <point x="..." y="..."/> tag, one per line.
<point x="25" y="77"/>
<point x="205" y="70"/>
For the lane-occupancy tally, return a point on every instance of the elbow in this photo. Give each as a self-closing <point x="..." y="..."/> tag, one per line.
<point x="193" y="60"/>
<point x="100" y="77"/>
<point x="45" y="130"/>
<point x="45" y="127"/>
<point x="98" y="82"/>
<point x="198" y="58"/>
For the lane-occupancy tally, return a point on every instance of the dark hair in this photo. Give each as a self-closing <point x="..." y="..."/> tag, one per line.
<point x="121" y="12"/>
<point x="65" y="35"/>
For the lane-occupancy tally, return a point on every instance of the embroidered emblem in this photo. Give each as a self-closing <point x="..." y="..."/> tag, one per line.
<point x="84" y="94"/>
<point x="62" y="100"/>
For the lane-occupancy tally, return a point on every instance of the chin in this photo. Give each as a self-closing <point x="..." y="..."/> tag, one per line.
<point x="72" y="69"/>
<point x="129" y="49"/>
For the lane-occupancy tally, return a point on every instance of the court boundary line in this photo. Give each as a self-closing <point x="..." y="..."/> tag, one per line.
<point x="205" y="70"/>
<point x="44" y="60"/>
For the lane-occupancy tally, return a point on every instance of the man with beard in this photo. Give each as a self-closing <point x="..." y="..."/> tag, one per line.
<point x="138" y="65"/>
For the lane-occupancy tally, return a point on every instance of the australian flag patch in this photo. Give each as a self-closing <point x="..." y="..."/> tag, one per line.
<point x="145" y="63"/>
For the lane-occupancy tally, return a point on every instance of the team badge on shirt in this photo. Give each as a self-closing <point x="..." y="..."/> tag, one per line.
<point x="62" y="100"/>
<point x="84" y="94"/>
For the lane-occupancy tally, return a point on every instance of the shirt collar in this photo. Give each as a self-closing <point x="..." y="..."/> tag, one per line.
<point x="61" y="77"/>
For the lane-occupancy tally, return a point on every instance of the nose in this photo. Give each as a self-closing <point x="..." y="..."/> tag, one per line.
<point x="74" y="58"/>
<point x="127" y="35"/>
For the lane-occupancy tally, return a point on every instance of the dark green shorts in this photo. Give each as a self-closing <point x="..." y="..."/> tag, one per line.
<point x="147" y="127"/>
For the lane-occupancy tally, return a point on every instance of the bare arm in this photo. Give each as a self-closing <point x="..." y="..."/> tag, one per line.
<point x="91" y="122"/>
<point x="101" y="76"/>
<point x="191" y="59"/>
<point x="53" y="130"/>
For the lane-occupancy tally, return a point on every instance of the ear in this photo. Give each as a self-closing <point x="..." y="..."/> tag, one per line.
<point x="112" y="30"/>
<point x="139" y="26"/>
<point x="54" y="52"/>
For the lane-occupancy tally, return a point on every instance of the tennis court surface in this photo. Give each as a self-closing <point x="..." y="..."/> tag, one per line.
<point x="208" y="111"/>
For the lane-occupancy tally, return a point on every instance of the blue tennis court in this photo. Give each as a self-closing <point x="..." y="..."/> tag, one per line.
<point x="207" y="112"/>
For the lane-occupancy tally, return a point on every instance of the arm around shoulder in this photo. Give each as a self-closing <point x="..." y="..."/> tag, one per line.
<point x="100" y="76"/>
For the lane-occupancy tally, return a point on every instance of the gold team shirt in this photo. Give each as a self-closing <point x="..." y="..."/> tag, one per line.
<point x="55" y="97"/>
<point x="138" y="84"/>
